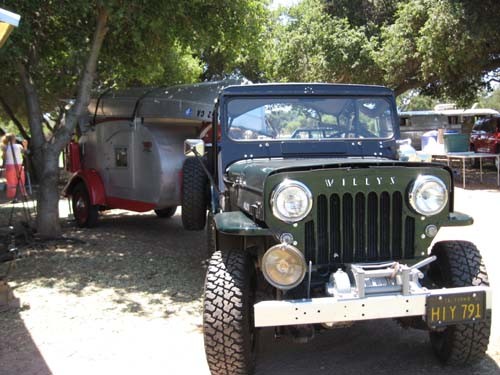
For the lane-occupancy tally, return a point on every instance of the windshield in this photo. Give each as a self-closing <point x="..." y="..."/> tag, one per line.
<point x="309" y="118"/>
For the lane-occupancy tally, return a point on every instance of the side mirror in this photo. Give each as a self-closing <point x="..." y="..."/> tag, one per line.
<point x="194" y="147"/>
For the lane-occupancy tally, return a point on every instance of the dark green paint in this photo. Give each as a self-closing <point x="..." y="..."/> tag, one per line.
<point x="237" y="223"/>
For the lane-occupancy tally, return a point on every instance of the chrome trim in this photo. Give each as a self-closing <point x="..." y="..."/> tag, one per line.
<point x="423" y="179"/>
<point x="279" y="189"/>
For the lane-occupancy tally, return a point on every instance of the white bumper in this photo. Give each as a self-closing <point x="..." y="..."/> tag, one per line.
<point x="333" y="309"/>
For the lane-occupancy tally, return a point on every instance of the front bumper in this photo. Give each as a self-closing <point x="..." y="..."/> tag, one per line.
<point x="338" y="309"/>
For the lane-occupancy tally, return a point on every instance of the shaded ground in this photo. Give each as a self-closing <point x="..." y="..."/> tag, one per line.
<point x="126" y="298"/>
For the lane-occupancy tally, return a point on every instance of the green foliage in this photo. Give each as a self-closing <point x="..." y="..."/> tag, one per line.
<point x="309" y="45"/>
<point x="413" y="101"/>
<point x="442" y="48"/>
<point x="160" y="42"/>
<point x="490" y="100"/>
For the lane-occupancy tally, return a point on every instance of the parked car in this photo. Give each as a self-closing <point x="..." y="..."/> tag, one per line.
<point x="485" y="136"/>
<point x="312" y="234"/>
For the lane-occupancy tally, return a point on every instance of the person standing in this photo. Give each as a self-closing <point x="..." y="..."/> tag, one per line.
<point x="12" y="155"/>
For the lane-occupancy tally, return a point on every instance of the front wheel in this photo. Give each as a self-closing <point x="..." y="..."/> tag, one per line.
<point x="194" y="195"/>
<point x="227" y="314"/>
<point x="459" y="264"/>
<point x="86" y="214"/>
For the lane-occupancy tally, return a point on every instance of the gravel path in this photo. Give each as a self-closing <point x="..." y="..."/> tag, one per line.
<point x="126" y="298"/>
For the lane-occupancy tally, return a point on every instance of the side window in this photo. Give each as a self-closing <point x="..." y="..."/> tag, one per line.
<point x="121" y="159"/>
<point x="490" y="125"/>
<point x="478" y="126"/>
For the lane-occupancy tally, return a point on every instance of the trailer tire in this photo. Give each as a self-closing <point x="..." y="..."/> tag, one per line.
<point x="166" y="212"/>
<point x="227" y="314"/>
<point x="194" y="195"/>
<point x="86" y="214"/>
<point x="458" y="264"/>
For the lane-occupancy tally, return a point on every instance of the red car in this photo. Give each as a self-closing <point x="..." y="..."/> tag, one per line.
<point x="485" y="136"/>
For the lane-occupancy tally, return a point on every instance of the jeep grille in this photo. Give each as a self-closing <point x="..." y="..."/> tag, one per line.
<point x="358" y="228"/>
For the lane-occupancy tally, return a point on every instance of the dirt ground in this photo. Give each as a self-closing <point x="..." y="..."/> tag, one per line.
<point x="125" y="298"/>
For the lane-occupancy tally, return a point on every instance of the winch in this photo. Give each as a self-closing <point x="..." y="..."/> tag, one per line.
<point x="377" y="278"/>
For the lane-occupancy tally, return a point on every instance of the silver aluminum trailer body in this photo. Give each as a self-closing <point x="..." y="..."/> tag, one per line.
<point x="131" y="147"/>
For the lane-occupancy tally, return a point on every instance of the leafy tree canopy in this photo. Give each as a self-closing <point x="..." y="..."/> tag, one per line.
<point x="160" y="42"/>
<point x="442" y="48"/>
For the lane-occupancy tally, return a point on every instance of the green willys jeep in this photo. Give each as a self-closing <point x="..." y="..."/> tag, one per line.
<point x="318" y="233"/>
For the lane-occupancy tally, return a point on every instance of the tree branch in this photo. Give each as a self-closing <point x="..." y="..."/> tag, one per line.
<point x="8" y="110"/>
<point x="65" y="132"/>
<point x="34" y="118"/>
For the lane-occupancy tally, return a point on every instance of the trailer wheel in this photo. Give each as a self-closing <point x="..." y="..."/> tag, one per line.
<point x="166" y="212"/>
<point x="227" y="314"/>
<point x="86" y="214"/>
<point x="194" y="195"/>
<point x="458" y="264"/>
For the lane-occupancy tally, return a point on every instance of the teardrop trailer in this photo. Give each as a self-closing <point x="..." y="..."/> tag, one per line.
<point x="130" y="154"/>
<point x="311" y="234"/>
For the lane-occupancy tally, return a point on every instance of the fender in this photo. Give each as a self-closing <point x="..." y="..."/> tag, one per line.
<point x="93" y="183"/>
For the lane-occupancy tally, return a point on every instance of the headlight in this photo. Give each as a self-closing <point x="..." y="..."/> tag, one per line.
<point x="428" y="195"/>
<point x="283" y="266"/>
<point x="291" y="201"/>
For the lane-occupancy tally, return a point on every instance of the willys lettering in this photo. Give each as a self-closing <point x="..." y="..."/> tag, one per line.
<point x="360" y="181"/>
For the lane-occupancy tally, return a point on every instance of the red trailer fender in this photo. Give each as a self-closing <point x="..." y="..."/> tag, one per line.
<point x="93" y="183"/>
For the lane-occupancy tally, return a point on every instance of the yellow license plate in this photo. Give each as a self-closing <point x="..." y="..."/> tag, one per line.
<point x="446" y="309"/>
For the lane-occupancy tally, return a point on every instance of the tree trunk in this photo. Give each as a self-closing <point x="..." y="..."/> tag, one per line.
<point x="47" y="219"/>
<point x="46" y="152"/>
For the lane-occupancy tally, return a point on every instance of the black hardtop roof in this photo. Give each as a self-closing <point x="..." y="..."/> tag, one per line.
<point x="307" y="88"/>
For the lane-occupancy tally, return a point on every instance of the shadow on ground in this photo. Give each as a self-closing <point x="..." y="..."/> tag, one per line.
<point x="375" y="347"/>
<point x="16" y="344"/>
<point x="127" y="253"/>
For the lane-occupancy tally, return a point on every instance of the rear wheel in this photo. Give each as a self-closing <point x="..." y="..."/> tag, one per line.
<point x="86" y="214"/>
<point x="459" y="264"/>
<point x="166" y="212"/>
<point x="194" y="195"/>
<point x="227" y="314"/>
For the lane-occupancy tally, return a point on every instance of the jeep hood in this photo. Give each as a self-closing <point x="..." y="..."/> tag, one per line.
<point x="253" y="173"/>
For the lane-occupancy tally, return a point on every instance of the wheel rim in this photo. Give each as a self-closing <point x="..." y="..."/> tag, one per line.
<point x="81" y="209"/>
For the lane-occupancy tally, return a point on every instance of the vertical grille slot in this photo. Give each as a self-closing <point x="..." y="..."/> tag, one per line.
<point x="322" y="256"/>
<point x="372" y="227"/>
<point x="310" y="242"/>
<point x="409" y="237"/>
<point x="385" y="225"/>
<point x="397" y="224"/>
<point x="335" y="223"/>
<point x="359" y="226"/>
<point x="347" y="230"/>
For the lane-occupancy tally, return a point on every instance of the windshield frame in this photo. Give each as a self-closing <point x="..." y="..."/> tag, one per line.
<point x="230" y="151"/>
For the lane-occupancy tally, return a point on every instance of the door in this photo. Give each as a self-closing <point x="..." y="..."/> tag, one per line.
<point x="117" y="146"/>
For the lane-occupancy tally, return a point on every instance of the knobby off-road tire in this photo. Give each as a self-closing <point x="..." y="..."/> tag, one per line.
<point x="458" y="264"/>
<point x="166" y="212"/>
<point x="194" y="195"/>
<point x="86" y="214"/>
<point x="227" y="314"/>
